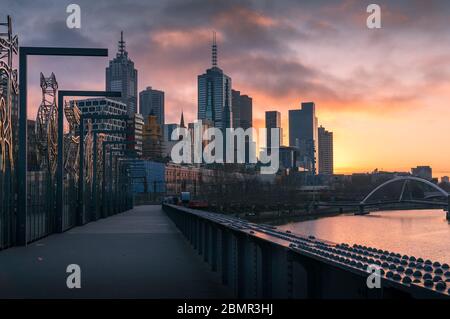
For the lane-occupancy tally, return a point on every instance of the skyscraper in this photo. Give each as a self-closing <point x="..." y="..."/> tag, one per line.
<point x="242" y="110"/>
<point x="243" y="118"/>
<point x="151" y="100"/>
<point x="214" y="94"/>
<point x="103" y="106"/>
<point x="122" y="76"/>
<point x="326" y="162"/>
<point x="135" y="126"/>
<point x="273" y="120"/>
<point x="303" y="133"/>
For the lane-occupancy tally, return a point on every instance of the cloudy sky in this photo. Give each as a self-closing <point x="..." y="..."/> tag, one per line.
<point x="384" y="93"/>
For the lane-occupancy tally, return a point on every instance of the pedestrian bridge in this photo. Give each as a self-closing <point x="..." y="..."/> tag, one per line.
<point x="136" y="254"/>
<point x="142" y="253"/>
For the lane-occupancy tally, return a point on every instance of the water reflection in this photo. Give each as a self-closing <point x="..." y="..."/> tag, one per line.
<point x="422" y="233"/>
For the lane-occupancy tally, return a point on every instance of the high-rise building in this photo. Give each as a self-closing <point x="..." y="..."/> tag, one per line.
<point x="135" y="126"/>
<point x="288" y="157"/>
<point x="104" y="106"/>
<point x="326" y="162"/>
<point x="445" y="179"/>
<point x="273" y="120"/>
<point x="235" y="99"/>
<point x="243" y="118"/>
<point x="303" y="134"/>
<point x="123" y="77"/>
<point x="214" y="94"/>
<point x="242" y="110"/>
<point x="425" y="172"/>
<point x="151" y="100"/>
<point x="152" y="139"/>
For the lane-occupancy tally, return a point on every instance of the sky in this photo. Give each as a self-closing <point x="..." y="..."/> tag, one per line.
<point x="383" y="92"/>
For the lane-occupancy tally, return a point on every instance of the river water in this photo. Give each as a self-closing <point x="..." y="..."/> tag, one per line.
<point x="422" y="233"/>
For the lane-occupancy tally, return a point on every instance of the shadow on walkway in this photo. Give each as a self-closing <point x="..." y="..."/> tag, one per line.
<point x="136" y="254"/>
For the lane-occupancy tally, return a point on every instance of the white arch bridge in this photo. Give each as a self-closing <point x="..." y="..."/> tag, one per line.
<point x="406" y="180"/>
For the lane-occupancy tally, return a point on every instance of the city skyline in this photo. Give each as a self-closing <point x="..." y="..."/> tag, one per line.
<point x="373" y="106"/>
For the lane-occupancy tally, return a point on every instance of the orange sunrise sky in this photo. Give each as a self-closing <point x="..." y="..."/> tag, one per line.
<point x="384" y="93"/>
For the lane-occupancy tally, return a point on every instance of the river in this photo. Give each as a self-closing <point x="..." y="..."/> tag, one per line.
<point x="422" y="233"/>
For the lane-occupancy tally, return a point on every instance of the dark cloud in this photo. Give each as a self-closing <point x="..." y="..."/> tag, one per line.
<point x="265" y="46"/>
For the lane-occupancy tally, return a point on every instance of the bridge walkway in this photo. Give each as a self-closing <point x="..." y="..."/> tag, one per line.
<point x="136" y="254"/>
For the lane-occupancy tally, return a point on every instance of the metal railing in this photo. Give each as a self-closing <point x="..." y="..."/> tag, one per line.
<point x="260" y="261"/>
<point x="34" y="204"/>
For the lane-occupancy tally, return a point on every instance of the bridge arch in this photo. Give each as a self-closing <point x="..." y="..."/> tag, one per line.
<point x="405" y="178"/>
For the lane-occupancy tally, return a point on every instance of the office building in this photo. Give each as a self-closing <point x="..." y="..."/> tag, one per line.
<point x="135" y="130"/>
<point x="303" y="134"/>
<point x="214" y="95"/>
<point x="273" y="120"/>
<point x="326" y="164"/>
<point x="424" y="172"/>
<point x="152" y="101"/>
<point x="242" y="110"/>
<point x="288" y="157"/>
<point x="243" y="117"/>
<point x="104" y="106"/>
<point x="152" y="139"/>
<point x="121" y="76"/>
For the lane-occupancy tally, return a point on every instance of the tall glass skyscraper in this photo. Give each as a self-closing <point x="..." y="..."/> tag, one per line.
<point x="303" y="135"/>
<point x="242" y="110"/>
<point x="326" y="161"/>
<point x="214" y="94"/>
<point x="122" y="76"/>
<point x="273" y="120"/>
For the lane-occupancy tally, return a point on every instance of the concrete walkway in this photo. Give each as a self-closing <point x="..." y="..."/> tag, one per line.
<point x="137" y="254"/>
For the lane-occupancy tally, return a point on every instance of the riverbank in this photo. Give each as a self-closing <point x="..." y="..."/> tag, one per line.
<point x="283" y="216"/>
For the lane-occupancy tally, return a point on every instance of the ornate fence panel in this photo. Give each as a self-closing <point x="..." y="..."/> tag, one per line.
<point x="41" y="164"/>
<point x="8" y="118"/>
<point x="41" y="180"/>
<point x="71" y="169"/>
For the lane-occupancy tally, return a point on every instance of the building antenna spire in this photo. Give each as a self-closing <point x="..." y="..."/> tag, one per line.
<point x="182" y="120"/>
<point x="121" y="44"/>
<point x="214" y="50"/>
